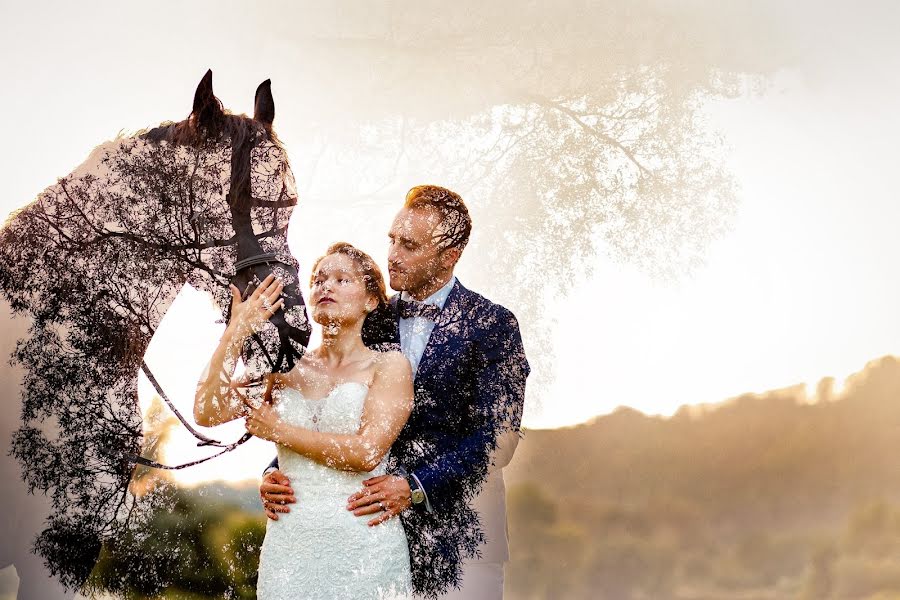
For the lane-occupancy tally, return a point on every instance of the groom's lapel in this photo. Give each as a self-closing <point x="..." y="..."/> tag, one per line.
<point x="447" y="324"/>
<point x="395" y="311"/>
<point x="393" y="302"/>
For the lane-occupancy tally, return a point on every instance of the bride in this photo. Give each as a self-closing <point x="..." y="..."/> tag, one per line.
<point x="333" y="418"/>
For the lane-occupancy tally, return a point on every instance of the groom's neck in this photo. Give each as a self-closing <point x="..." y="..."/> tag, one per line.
<point x="433" y="286"/>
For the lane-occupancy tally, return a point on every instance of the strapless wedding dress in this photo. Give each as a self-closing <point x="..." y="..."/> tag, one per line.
<point x="320" y="550"/>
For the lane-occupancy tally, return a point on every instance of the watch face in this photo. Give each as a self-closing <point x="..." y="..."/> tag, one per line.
<point x="418" y="496"/>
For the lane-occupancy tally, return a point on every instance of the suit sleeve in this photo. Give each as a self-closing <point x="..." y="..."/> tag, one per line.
<point x="499" y="394"/>
<point x="506" y="447"/>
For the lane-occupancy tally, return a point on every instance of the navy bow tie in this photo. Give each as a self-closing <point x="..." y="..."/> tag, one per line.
<point x="410" y="309"/>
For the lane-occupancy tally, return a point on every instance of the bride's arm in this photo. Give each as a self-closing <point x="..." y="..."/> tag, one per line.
<point x="386" y="410"/>
<point x="217" y="399"/>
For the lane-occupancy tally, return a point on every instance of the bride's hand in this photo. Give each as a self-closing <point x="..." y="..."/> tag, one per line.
<point x="249" y="315"/>
<point x="263" y="422"/>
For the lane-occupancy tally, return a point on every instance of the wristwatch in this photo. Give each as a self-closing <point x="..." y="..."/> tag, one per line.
<point x="415" y="492"/>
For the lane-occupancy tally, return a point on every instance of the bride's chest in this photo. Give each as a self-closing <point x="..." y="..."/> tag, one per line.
<point x="339" y="411"/>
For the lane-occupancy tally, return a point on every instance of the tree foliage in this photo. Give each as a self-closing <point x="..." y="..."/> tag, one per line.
<point x="93" y="264"/>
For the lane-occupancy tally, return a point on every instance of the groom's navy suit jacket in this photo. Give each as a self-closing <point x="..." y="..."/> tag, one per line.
<point x="469" y="388"/>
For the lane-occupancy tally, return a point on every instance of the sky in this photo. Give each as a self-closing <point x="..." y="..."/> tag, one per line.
<point x="803" y="286"/>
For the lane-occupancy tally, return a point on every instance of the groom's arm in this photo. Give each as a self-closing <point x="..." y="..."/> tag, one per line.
<point x="498" y="402"/>
<point x="499" y="396"/>
<point x="506" y="447"/>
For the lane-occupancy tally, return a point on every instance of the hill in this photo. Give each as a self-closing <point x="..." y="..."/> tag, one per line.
<point x="763" y="496"/>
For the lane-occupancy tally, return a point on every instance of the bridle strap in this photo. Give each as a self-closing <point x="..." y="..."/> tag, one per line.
<point x="140" y="460"/>
<point x="204" y="440"/>
<point x="250" y="261"/>
<point x="265" y="257"/>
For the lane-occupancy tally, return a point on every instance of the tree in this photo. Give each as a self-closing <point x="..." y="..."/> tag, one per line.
<point x="575" y="130"/>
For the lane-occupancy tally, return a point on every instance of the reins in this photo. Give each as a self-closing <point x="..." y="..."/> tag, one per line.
<point x="204" y="440"/>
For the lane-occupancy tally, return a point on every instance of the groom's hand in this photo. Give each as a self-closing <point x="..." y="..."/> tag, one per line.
<point x="275" y="492"/>
<point x="388" y="494"/>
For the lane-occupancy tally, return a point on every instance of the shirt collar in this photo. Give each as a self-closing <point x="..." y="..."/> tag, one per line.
<point x="439" y="298"/>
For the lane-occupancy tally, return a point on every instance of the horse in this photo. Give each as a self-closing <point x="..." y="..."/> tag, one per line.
<point x="87" y="272"/>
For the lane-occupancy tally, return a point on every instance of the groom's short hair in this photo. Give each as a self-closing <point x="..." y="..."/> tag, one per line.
<point x="456" y="224"/>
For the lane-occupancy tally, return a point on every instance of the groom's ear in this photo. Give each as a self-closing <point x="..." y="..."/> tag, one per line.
<point x="450" y="256"/>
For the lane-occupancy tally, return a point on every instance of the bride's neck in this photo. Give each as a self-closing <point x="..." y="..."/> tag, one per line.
<point x="340" y="343"/>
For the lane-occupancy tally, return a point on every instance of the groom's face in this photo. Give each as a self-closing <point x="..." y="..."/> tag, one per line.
<point x="414" y="257"/>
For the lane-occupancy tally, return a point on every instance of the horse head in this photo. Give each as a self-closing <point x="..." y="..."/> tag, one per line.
<point x="94" y="262"/>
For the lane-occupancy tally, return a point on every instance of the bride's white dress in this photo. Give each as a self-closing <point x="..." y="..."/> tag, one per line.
<point x="320" y="549"/>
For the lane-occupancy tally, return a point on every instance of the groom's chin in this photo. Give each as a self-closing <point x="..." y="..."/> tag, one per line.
<point x="397" y="284"/>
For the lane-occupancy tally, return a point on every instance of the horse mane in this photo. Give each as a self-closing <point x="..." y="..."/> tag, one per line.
<point x="238" y="128"/>
<point x="243" y="132"/>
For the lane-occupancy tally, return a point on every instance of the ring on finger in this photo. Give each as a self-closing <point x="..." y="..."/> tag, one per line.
<point x="266" y="304"/>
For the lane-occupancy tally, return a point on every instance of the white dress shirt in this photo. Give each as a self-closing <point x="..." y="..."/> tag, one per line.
<point x="415" y="331"/>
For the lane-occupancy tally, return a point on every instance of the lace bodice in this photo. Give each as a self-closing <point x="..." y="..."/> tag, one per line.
<point x="319" y="549"/>
<point x="339" y="411"/>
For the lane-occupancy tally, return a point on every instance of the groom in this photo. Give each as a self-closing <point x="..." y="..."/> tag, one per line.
<point x="470" y="369"/>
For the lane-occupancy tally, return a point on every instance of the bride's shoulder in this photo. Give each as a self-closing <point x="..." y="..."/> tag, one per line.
<point x="391" y="361"/>
<point x="279" y="381"/>
<point x="300" y="373"/>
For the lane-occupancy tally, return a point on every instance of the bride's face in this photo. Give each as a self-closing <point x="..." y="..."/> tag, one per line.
<point x="338" y="294"/>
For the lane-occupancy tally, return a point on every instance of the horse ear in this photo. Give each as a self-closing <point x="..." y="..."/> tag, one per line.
<point x="264" y="104"/>
<point x="207" y="109"/>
